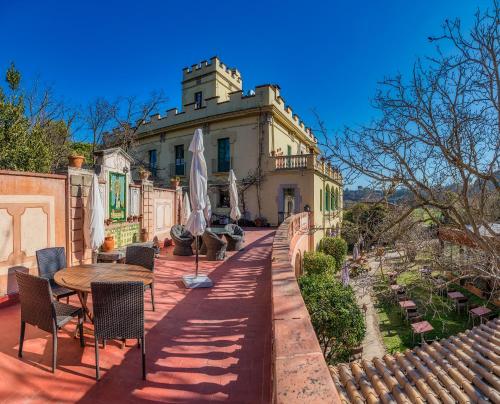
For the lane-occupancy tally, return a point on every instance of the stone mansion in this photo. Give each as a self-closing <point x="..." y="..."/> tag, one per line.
<point x="276" y="158"/>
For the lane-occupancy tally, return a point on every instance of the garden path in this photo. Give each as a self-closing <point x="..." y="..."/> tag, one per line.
<point x="373" y="345"/>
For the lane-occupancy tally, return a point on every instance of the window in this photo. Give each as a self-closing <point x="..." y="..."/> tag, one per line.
<point x="332" y="198"/>
<point x="327" y="198"/>
<point x="223" y="155"/>
<point x="320" y="200"/>
<point x="224" y="198"/>
<point x="288" y="153"/>
<point x="179" y="160"/>
<point x="198" y="99"/>
<point x="153" y="161"/>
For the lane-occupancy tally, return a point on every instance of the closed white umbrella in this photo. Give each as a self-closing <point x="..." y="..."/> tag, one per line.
<point x="196" y="223"/>
<point x="186" y="209"/>
<point x="345" y="274"/>
<point x="235" y="213"/>
<point x="208" y="210"/>
<point x="94" y="218"/>
<point x="355" y="252"/>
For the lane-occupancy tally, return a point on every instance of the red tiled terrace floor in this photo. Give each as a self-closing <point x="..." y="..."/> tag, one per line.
<point x="202" y="345"/>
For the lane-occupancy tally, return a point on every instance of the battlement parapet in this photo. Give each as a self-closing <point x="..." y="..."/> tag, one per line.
<point x="263" y="96"/>
<point x="213" y="65"/>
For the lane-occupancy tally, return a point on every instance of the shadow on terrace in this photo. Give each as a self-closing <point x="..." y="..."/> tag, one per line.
<point x="202" y="345"/>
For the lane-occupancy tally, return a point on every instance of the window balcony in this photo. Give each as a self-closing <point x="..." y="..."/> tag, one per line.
<point x="307" y="162"/>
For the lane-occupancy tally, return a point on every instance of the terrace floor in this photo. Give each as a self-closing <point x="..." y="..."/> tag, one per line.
<point x="202" y="345"/>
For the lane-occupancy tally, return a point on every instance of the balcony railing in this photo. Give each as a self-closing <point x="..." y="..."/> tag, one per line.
<point x="307" y="161"/>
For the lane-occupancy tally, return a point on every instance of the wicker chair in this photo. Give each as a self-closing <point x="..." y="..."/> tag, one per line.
<point x="39" y="308"/>
<point x="50" y="260"/>
<point x="145" y="257"/>
<point x="182" y="240"/>
<point x="216" y="247"/>
<point x="118" y="314"/>
<point x="234" y="237"/>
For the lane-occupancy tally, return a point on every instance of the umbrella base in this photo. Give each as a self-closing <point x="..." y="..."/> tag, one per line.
<point x="200" y="281"/>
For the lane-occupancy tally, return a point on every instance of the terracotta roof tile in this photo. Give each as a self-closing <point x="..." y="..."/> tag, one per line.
<point x="461" y="369"/>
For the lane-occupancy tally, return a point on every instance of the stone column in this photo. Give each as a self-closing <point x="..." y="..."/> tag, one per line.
<point x="147" y="207"/>
<point x="79" y="187"/>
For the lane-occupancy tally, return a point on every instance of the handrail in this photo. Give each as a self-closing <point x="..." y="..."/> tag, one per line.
<point x="300" y="372"/>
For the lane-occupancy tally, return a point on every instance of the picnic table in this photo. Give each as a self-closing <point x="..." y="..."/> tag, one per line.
<point x="455" y="295"/>
<point x="421" y="328"/>
<point x="479" y="312"/>
<point x="407" y="304"/>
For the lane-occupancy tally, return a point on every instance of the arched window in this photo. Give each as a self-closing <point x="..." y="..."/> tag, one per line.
<point x="320" y="200"/>
<point x="332" y="198"/>
<point x="327" y="198"/>
<point x="337" y="198"/>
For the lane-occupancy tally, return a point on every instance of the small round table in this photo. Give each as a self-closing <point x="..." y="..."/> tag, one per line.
<point x="79" y="278"/>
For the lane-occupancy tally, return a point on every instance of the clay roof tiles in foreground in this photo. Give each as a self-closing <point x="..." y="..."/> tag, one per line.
<point x="461" y="369"/>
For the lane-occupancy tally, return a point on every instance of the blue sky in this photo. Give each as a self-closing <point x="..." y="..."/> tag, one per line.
<point x="325" y="55"/>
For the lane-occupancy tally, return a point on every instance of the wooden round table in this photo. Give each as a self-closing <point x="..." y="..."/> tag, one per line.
<point x="79" y="278"/>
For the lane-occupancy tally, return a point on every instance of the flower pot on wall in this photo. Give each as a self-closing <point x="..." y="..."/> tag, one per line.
<point x="144" y="175"/>
<point x="76" y="161"/>
<point x="144" y="235"/>
<point x="109" y="244"/>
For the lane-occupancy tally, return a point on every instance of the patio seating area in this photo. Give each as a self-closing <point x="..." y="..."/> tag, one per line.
<point x="201" y="344"/>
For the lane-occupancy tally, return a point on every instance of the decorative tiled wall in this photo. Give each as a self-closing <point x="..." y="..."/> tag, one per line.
<point x="124" y="233"/>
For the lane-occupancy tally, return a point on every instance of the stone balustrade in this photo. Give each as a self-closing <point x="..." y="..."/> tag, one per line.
<point x="309" y="162"/>
<point x="300" y="373"/>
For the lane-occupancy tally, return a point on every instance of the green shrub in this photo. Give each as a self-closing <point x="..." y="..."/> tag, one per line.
<point x="335" y="315"/>
<point x="335" y="247"/>
<point x="318" y="263"/>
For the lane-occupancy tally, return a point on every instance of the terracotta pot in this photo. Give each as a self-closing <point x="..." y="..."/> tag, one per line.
<point x="174" y="183"/>
<point x="76" y="161"/>
<point x="144" y="175"/>
<point x="144" y="235"/>
<point x="109" y="244"/>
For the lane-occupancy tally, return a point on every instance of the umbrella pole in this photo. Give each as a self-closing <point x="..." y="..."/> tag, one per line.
<point x="197" y="256"/>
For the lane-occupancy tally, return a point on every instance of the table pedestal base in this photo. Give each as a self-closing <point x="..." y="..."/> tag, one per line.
<point x="200" y="281"/>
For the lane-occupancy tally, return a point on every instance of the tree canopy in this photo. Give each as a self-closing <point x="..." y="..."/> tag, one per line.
<point x="34" y="128"/>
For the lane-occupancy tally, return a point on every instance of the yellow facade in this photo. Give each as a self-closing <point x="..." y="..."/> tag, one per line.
<point x="274" y="156"/>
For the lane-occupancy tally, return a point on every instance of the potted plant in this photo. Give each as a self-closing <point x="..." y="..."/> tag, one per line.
<point x="75" y="160"/>
<point x="175" y="181"/>
<point x="109" y="243"/>
<point x="143" y="173"/>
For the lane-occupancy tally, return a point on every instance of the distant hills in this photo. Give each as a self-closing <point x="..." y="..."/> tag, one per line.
<point x="365" y="194"/>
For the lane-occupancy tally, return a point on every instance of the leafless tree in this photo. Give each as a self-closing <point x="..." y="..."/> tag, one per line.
<point x="97" y="117"/>
<point x="52" y="115"/>
<point x="438" y="135"/>
<point x="129" y="115"/>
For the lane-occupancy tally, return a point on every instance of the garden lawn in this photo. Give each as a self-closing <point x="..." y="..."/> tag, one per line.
<point x="436" y="309"/>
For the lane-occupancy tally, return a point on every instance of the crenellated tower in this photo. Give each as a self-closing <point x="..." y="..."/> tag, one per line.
<point x="207" y="80"/>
